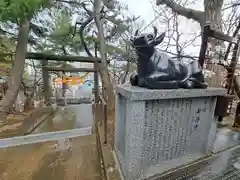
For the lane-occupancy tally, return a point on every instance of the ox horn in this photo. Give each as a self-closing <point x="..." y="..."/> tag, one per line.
<point x="136" y="33"/>
<point x="155" y="31"/>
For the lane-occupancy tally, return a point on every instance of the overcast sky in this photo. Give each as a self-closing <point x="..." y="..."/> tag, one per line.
<point x="143" y="8"/>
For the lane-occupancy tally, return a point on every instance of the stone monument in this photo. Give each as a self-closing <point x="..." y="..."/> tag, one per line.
<point x="165" y="118"/>
<point x="157" y="130"/>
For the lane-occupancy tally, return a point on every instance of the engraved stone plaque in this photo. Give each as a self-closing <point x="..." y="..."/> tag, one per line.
<point x="157" y="130"/>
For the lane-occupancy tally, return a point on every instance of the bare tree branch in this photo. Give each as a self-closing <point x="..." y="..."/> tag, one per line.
<point x="230" y="44"/>
<point x="69" y="2"/>
<point x="186" y="12"/>
<point x="231" y="6"/>
<point x="83" y="25"/>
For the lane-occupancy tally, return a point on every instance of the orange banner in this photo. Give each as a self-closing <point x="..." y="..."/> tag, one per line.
<point x="72" y="80"/>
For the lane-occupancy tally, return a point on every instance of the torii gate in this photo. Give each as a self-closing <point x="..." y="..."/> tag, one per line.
<point x="52" y="57"/>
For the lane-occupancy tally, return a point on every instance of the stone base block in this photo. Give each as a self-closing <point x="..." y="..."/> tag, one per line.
<point x="157" y="130"/>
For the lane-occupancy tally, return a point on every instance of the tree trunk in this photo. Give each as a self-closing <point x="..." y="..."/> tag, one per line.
<point x="46" y="85"/>
<point x="29" y="93"/>
<point x="17" y="69"/>
<point x="107" y="87"/>
<point x="106" y="80"/>
<point x="212" y="9"/>
<point x="29" y="103"/>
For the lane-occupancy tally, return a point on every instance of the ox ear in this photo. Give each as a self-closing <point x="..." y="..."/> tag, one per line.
<point x="155" y="31"/>
<point x="159" y="39"/>
<point x="136" y="33"/>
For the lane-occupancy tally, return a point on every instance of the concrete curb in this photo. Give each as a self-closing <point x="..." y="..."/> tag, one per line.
<point x="43" y="137"/>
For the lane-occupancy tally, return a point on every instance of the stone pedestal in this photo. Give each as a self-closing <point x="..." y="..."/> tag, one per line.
<point x="157" y="130"/>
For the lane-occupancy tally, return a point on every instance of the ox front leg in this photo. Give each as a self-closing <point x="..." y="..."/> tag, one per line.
<point x="134" y="79"/>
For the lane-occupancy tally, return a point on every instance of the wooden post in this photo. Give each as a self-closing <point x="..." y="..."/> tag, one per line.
<point x="96" y="83"/>
<point x="46" y="83"/>
<point x="204" y="45"/>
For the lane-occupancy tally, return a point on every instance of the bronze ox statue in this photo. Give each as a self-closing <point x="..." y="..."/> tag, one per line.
<point x="157" y="70"/>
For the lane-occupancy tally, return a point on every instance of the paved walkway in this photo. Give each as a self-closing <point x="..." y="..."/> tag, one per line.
<point x="66" y="159"/>
<point x="68" y="118"/>
<point x="65" y="118"/>
<point x="58" y="149"/>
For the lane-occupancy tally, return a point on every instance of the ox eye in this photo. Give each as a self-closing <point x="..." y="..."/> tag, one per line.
<point x="150" y="36"/>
